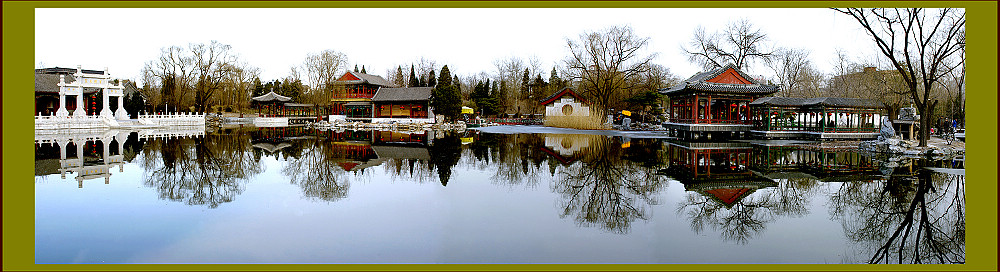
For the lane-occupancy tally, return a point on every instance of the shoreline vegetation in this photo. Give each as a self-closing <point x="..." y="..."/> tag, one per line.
<point x="590" y="122"/>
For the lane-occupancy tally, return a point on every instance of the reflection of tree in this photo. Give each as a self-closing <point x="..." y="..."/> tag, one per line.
<point x="315" y="171"/>
<point x="908" y="219"/>
<point x="208" y="171"/>
<point x="748" y="216"/>
<point x="604" y="189"/>
<point x="514" y="157"/>
<point x="444" y="155"/>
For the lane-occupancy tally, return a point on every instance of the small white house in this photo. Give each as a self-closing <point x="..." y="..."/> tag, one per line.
<point x="566" y="102"/>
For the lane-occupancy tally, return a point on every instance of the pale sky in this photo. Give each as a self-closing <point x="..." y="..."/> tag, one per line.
<point x="467" y="40"/>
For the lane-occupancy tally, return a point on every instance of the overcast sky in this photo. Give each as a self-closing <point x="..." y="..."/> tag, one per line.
<point x="467" y="40"/>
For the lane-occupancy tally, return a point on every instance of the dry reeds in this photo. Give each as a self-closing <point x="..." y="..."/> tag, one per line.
<point x="592" y="121"/>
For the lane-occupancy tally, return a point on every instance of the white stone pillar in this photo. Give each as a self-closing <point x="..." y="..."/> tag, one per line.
<point x="62" y="150"/>
<point x="120" y="113"/>
<point x="62" y="98"/>
<point x="79" y="152"/>
<point x="105" y="107"/>
<point x="80" y="108"/>
<point x="107" y="149"/>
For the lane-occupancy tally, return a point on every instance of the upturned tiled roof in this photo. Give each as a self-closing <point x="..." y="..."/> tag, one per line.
<point x="366" y="78"/>
<point x="818" y="101"/>
<point x="403" y="94"/>
<point x="271" y="96"/>
<point x="698" y="82"/>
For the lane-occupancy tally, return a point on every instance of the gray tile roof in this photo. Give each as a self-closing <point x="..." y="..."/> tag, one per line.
<point x="698" y="82"/>
<point x="271" y="96"/>
<point x="403" y="94"/>
<point x="401" y="152"/>
<point x="49" y="83"/>
<point x="371" y="79"/>
<point x="818" y="101"/>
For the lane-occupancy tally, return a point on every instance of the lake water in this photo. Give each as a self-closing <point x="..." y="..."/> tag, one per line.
<point x="298" y="195"/>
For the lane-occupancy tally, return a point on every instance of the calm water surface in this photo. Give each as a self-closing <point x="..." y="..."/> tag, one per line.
<point x="296" y="195"/>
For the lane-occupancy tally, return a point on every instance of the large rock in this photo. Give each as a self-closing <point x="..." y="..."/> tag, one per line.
<point x="886" y="131"/>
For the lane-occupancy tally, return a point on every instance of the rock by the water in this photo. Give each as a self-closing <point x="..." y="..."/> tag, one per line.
<point x="886" y="131"/>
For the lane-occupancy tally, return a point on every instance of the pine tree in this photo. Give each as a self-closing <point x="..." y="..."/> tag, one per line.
<point x="525" y="80"/>
<point x="363" y="69"/>
<point x="399" y="81"/>
<point x="258" y="87"/>
<point x="445" y="77"/>
<point x="447" y="101"/>
<point x="414" y="82"/>
<point x="431" y="80"/>
<point x="356" y="68"/>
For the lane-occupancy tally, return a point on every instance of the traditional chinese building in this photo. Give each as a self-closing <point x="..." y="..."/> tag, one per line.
<point x="370" y="98"/>
<point x="77" y="91"/>
<point x="566" y="102"/>
<point x="351" y="98"/>
<point x="402" y="105"/>
<point x="714" y="102"/>
<point x="817" y="118"/>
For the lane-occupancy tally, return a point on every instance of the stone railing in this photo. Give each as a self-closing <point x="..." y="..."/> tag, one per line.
<point x="73" y="122"/>
<point x="173" y="119"/>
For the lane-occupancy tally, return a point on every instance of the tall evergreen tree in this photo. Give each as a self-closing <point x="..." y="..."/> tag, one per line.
<point x="445" y="77"/>
<point x="258" y="88"/>
<point x="399" y="80"/>
<point x="501" y="94"/>
<point x="363" y="69"/>
<point x="431" y="80"/>
<point x="356" y="68"/>
<point x="525" y="85"/>
<point x="414" y="82"/>
<point x="446" y="98"/>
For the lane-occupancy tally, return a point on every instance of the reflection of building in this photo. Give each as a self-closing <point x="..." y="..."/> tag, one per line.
<point x="822" y="117"/>
<point x="94" y="154"/>
<point x="354" y="150"/>
<point x="566" y="148"/>
<point x="816" y="163"/>
<point x="719" y="171"/>
<point x="96" y="151"/>
<point x="714" y="102"/>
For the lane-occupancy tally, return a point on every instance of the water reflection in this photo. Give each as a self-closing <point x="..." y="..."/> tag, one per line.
<point x="916" y="216"/>
<point x="892" y="210"/>
<point x="605" y="188"/>
<point x="205" y="170"/>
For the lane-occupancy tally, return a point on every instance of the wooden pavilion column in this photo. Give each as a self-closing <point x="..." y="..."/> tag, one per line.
<point x="694" y="109"/>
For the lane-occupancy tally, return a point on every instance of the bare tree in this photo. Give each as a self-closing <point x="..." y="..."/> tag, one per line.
<point x="795" y="74"/>
<point x="606" y="63"/>
<point x="169" y="78"/>
<point x="510" y="70"/>
<point x="919" y="43"/>
<point x="322" y="70"/>
<point x="210" y="62"/>
<point x="740" y="43"/>
<point x="237" y="85"/>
